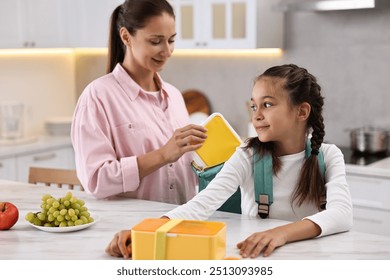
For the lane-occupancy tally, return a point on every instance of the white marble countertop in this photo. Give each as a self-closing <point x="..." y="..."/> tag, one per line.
<point x="41" y="143"/>
<point x="383" y="163"/>
<point x="24" y="242"/>
<point x="380" y="168"/>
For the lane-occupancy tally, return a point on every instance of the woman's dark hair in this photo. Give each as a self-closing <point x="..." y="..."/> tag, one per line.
<point x="301" y="87"/>
<point x="133" y="15"/>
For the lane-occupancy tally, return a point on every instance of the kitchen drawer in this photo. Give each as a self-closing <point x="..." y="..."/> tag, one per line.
<point x="371" y="221"/>
<point x="58" y="158"/>
<point x="370" y="192"/>
<point x="8" y="168"/>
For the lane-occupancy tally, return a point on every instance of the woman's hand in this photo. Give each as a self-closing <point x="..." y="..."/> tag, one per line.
<point x="120" y="245"/>
<point x="264" y="242"/>
<point x="185" y="139"/>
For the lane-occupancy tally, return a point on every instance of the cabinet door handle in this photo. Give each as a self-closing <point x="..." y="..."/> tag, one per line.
<point x="44" y="157"/>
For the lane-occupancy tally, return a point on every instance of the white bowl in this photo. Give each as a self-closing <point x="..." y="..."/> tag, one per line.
<point x="58" y="126"/>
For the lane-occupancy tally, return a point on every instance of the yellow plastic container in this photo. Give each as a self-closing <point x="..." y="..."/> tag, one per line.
<point x="175" y="239"/>
<point x="222" y="141"/>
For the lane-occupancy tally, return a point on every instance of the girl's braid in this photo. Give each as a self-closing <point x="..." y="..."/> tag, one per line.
<point x="316" y="120"/>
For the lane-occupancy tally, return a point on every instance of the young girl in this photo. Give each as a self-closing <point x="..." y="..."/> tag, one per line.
<point x="130" y="130"/>
<point x="287" y="106"/>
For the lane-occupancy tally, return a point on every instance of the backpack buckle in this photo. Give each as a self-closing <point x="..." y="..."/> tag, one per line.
<point x="263" y="208"/>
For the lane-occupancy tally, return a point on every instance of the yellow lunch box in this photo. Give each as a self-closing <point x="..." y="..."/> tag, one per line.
<point x="176" y="239"/>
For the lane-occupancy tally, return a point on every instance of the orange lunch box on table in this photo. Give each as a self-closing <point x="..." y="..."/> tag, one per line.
<point x="176" y="239"/>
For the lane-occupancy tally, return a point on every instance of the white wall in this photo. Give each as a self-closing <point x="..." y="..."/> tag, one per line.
<point x="45" y="83"/>
<point x="349" y="51"/>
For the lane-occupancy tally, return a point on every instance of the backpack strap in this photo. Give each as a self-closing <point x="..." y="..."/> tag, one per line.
<point x="262" y="174"/>
<point x="263" y="183"/>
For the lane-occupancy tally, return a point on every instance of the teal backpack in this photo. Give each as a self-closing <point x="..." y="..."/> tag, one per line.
<point x="233" y="204"/>
<point x="263" y="182"/>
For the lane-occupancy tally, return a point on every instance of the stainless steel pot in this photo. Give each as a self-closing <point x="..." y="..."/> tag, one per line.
<point x="369" y="140"/>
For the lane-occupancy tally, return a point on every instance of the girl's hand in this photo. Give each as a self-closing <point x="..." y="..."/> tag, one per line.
<point x="185" y="139"/>
<point x="267" y="241"/>
<point x="120" y="245"/>
<point x="262" y="242"/>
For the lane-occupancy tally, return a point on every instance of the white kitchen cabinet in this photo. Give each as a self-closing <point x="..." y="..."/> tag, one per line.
<point x="58" y="158"/>
<point x="370" y="192"/>
<point x="10" y="24"/>
<point x="371" y="202"/>
<point x="227" y="24"/>
<point x="90" y="22"/>
<point x="32" y="23"/>
<point x="212" y="24"/>
<point x="371" y="221"/>
<point x="8" y="168"/>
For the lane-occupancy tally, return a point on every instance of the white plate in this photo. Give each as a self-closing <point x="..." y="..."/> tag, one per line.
<point x="67" y="229"/>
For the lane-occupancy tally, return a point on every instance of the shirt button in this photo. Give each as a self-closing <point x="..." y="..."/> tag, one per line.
<point x="171" y="187"/>
<point x="130" y="126"/>
<point x="170" y="165"/>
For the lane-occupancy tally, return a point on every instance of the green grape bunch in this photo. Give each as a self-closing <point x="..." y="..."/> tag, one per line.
<point x="66" y="211"/>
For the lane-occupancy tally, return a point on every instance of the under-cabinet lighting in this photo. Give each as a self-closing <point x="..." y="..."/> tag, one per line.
<point x="264" y="51"/>
<point x="228" y="52"/>
<point x="177" y="52"/>
<point x="13" y="52"/>
<point x="91" y="51"/>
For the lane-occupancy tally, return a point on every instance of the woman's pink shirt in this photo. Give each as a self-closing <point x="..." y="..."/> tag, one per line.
<point x="115" y="121"/>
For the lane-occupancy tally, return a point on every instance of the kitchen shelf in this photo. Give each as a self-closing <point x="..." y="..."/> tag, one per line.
<point x="47" y="151"/>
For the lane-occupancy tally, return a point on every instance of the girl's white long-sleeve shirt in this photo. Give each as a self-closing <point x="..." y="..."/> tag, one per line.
<point x="238" y="171"/>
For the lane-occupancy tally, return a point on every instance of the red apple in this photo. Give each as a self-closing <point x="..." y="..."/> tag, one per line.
<point x="9" y="215"/>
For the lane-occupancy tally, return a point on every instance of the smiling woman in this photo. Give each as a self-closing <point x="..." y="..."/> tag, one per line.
<point x="145" y="30"/>
<point x="131" y="131"/>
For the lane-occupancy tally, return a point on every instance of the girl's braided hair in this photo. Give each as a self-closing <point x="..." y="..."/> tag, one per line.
<point x="301" y="86"/>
